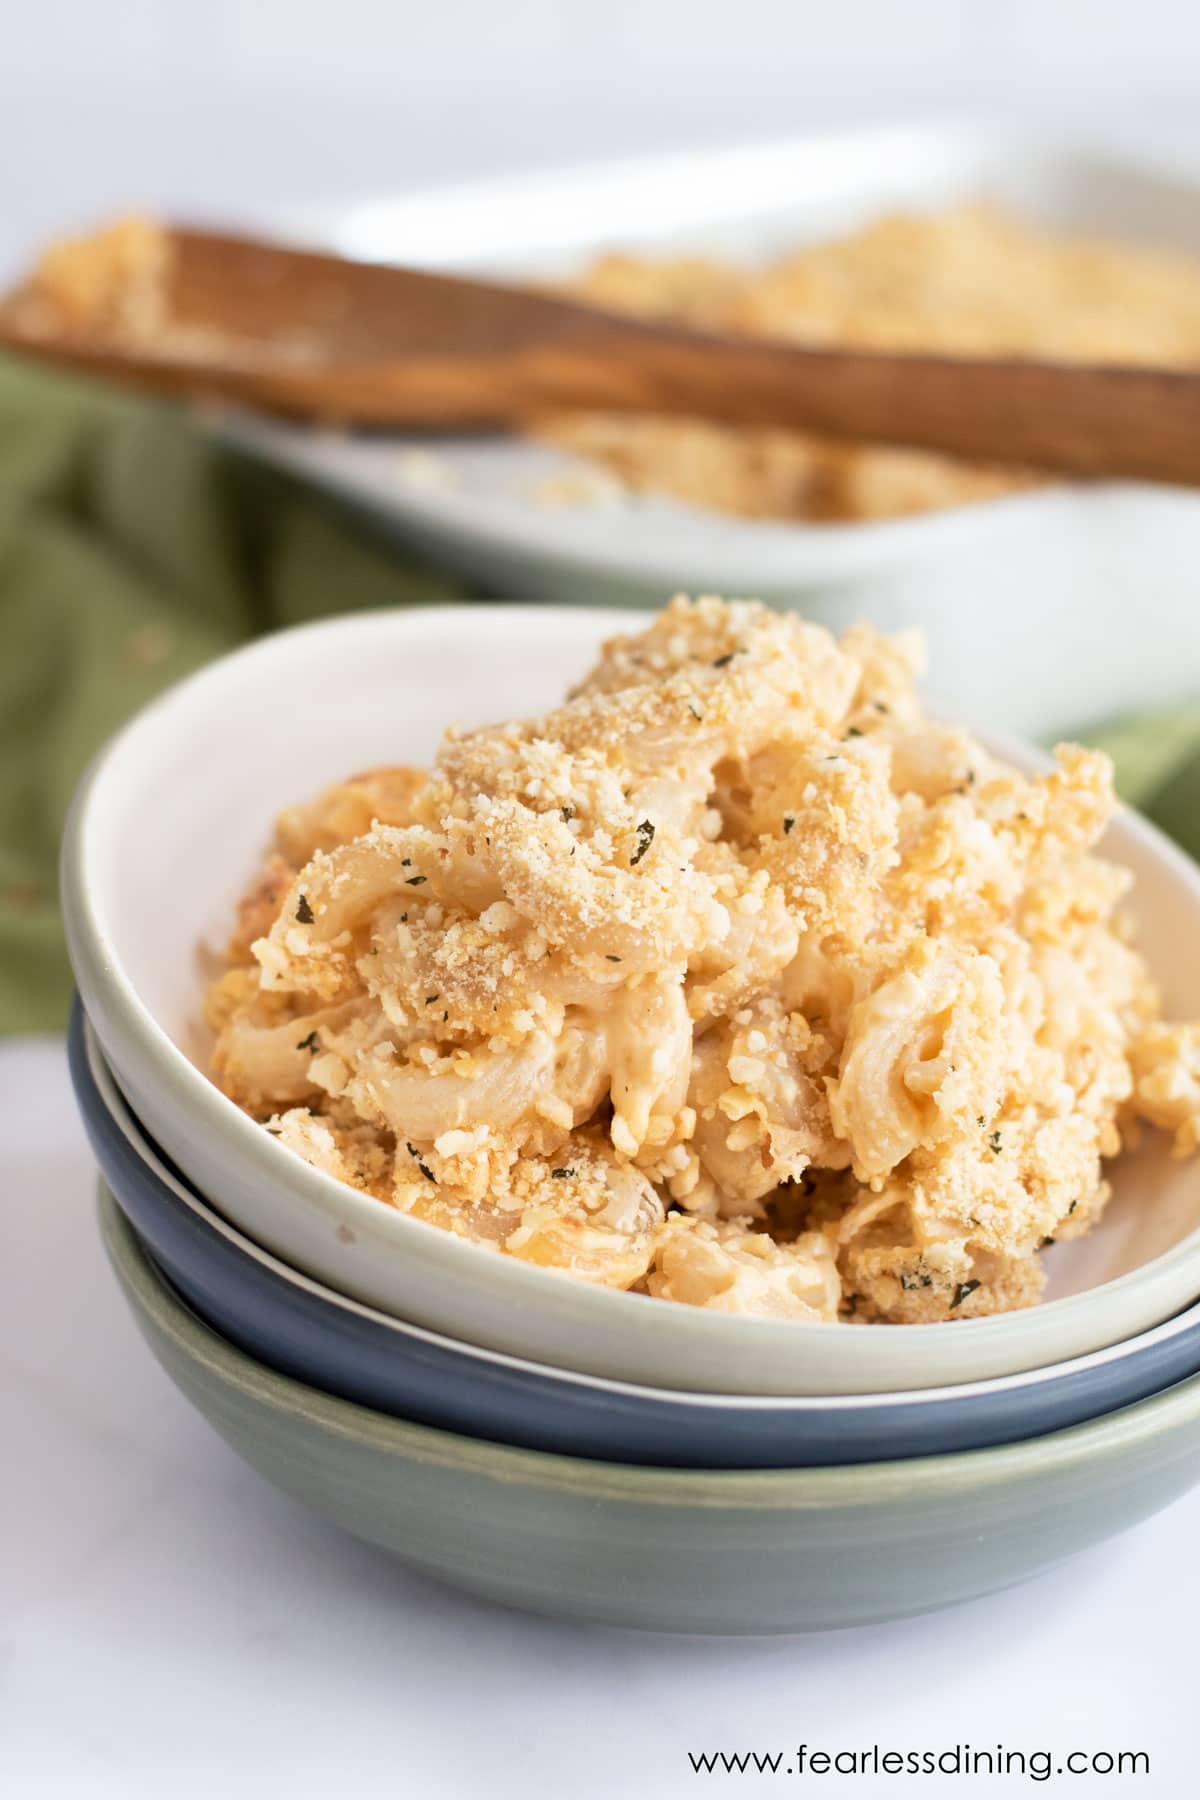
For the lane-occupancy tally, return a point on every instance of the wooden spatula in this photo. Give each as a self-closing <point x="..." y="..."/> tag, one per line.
<point x="314" y="336"/>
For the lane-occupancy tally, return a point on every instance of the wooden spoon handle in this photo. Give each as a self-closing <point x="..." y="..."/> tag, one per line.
<point x="310" y="335"/>
<point x="1086" y="420"/>
<point x="1136" y="423"/>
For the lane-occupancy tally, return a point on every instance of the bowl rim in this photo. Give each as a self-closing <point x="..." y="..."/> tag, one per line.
<point x="99" y="969"/>
<point x="109" y="1099"/>
<point x="156" y="1306"/>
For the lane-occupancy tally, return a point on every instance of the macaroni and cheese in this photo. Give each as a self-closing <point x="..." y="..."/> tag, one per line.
<point x="735" y="980"/>
<point x="971" y="280"/>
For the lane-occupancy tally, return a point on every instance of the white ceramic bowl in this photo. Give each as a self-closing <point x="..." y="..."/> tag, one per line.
<point x="164" y="832"/>
<point x="299" y="1327"/>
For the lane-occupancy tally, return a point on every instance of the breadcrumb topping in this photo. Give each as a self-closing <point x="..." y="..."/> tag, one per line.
<point x="969" y="280"/>
<point x="733" y="979"/>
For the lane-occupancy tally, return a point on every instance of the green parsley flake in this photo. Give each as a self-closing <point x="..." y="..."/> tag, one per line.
<point x="917" y="1279"/>
<point x="426" y="1171"/>
<point x="645" y="837"/>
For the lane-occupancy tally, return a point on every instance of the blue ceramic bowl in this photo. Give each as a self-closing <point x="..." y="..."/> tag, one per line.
<point x="293" y="1324"/>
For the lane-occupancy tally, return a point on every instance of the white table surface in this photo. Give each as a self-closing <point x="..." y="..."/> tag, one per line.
<point x="171" y="1626"/>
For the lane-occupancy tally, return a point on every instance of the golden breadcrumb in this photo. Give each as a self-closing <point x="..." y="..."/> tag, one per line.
<point x="971" y="280"/>
<point x="733" y="979"/>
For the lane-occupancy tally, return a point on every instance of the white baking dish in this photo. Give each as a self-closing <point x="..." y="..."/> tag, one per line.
<point x="1043" y="611"/>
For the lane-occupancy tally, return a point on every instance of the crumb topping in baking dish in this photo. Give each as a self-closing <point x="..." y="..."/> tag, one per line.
<point x="970" y="280"/>
<point x="734" y="979"/>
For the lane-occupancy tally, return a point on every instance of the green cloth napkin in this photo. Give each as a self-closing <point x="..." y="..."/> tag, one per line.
<point x="1157" y="759"/>
<point x="133" y="548"/>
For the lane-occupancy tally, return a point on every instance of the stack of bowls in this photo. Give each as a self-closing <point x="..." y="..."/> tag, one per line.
<point x="537" y="1440"/>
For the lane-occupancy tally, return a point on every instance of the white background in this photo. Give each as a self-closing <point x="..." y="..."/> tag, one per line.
<point x="222" y="103"/>
<point x="169" y="1626"/>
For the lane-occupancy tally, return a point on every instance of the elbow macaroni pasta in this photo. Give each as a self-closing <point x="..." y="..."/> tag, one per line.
<point x="734" y="980"/>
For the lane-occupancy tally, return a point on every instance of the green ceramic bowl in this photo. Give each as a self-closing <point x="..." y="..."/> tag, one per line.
<point x="669" y="1549"/>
